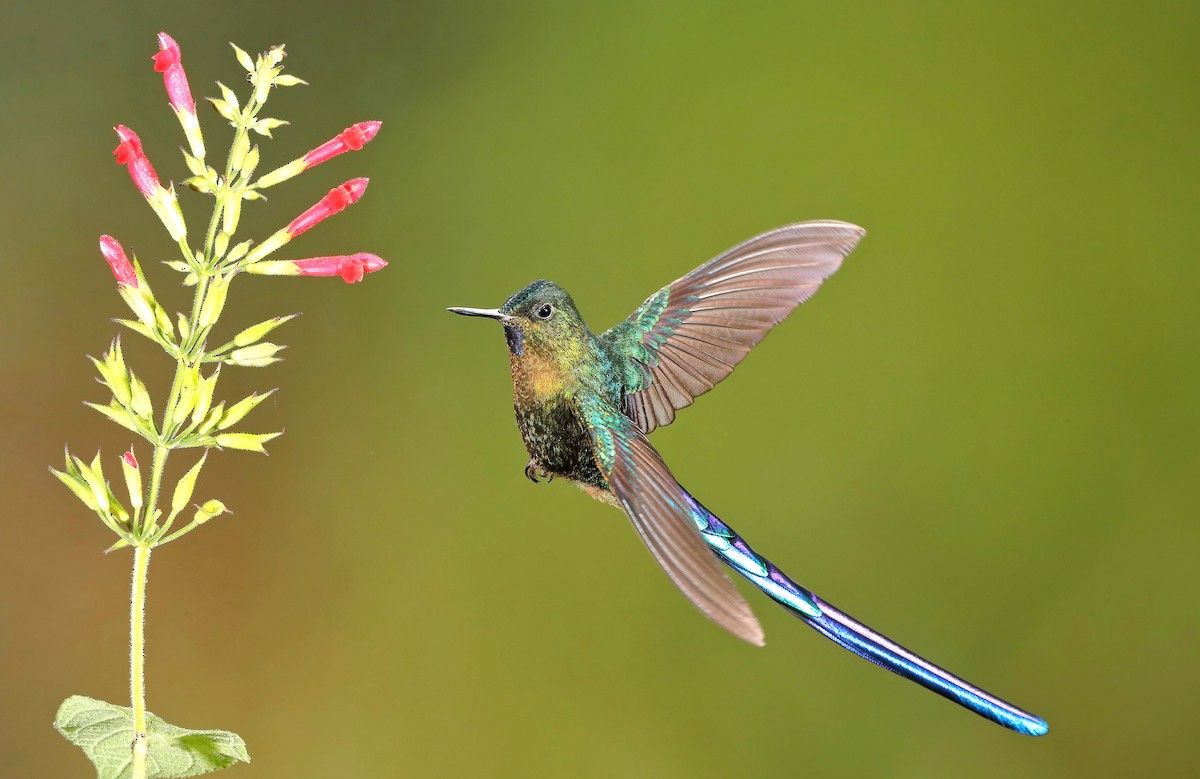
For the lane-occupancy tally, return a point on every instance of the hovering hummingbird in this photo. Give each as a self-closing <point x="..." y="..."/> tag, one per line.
<point x="586" y="402"/>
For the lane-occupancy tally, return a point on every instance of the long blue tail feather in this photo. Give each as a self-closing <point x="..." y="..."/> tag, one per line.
<point x="851" y="634"/>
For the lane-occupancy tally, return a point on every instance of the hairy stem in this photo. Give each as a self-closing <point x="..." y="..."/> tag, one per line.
<point x="156" y="474"/>
<point x="141" y="555"/>
<point x="137" y="657"/>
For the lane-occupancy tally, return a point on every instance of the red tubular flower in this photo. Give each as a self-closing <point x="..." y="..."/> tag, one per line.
<point x="163" y="201"/>
<point x="129" y="459"/>
<point x="352" y="138"/>
<point x="167" y="62"/>
<point x="338" y="198"/>
<point x="129" y="153"/>
<point x="352" y="268"/>
<point x="122" y="268"/>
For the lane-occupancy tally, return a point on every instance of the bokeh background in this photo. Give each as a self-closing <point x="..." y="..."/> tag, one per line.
<point x="980" y="437"/>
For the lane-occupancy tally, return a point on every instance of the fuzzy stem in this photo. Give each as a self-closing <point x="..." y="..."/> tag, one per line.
<point x="187" y="252"/>
<point x="137" y="657"/>
<point x="151" y="507"/>
<point x="210" y="237"/>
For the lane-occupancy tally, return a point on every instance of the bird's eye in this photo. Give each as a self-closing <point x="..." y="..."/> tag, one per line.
<point x="544" y="311"/>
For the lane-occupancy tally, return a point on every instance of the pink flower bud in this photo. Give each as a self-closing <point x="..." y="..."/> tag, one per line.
<point x="129" y="153"/>
<point x="167" y="62"/>
<point x="352" y="138"/>
<point x="122" y="268"/>
<point x="133" y="479"/>
<point x="352" y="268"/>
<point x="338" y="198"/>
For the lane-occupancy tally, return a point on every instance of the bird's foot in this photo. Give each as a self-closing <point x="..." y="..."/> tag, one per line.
<point x="533" y="471"/>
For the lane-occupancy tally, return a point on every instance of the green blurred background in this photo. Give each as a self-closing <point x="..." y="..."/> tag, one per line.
<point x="980" y="437"/>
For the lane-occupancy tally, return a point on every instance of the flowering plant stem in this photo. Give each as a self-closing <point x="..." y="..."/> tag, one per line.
<point x="141" y="552"/>
<point x="190" y="416"/>
<point x="137" y="656"/>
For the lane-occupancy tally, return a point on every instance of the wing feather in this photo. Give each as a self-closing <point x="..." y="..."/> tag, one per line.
<point x="691" y="334"/>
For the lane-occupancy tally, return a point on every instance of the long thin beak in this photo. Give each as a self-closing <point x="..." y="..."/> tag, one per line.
<point x="490" y="313"/>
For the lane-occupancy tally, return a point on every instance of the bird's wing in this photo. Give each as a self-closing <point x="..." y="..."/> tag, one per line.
<point x="691" y="333"/>
<point x="656" y="504"/>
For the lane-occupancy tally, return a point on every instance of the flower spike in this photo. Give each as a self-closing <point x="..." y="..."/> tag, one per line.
<point x="192" y="415"/>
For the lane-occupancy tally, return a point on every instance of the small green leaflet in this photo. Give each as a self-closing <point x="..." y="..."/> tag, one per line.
<point x="105" y="733"/>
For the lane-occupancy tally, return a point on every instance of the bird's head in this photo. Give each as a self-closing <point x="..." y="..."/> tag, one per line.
<point x="541" y="319"/>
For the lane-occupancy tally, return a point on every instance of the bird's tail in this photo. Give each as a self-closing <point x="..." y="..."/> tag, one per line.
<point x="850" y="633"/>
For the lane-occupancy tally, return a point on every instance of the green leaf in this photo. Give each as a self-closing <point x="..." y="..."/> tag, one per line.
<point x="243" y="58"/>
<point x="256" y="355"/>
<point x="266" y="125"/>
<point x="204" y="396"/>
<point x="240" y="409"/>
<point x="105" y="734"/>
<point x="77" y="486"/>
<point x="93" y="477"/>
<point x="250" y="442"/>
<point x="198" y="184"/>
<point x="254" y="333"/>
<point x="187" y="483"/>
<point x="238" y="252"/>
<point x="224" y="108"/>
<point x="195" y="165"/>
<point x="138" y="328"/>
<point x="214" y="417"/>
<point x="139" y="398"/>
<point x="250" y="163"/>
<point x="117" y="414"/>
<point x="229" y="96"/>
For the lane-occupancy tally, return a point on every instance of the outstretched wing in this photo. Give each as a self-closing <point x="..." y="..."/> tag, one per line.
<point x="658" y="508"/>
<point x="691" y="333"/>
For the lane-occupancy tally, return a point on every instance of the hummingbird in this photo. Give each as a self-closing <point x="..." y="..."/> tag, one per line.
<point x="586" y="402"/>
